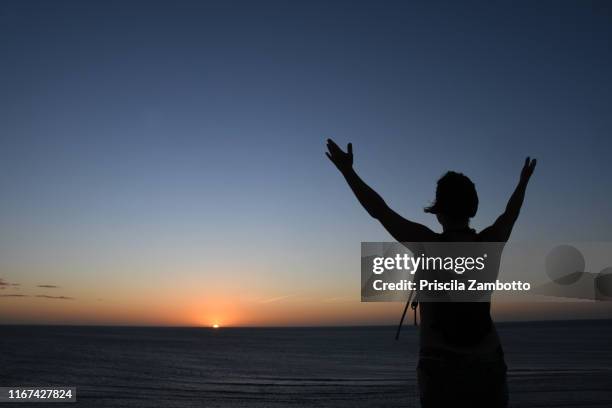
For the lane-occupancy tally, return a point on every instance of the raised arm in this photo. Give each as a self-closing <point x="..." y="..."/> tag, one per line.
<point x="400" y="228"/>
<point x="502" y="227"/>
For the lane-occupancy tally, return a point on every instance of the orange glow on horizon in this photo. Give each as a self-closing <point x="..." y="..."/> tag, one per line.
<point x="203" y="309"/>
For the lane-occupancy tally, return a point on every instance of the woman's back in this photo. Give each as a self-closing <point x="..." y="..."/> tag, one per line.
<point x="458" y="327"/>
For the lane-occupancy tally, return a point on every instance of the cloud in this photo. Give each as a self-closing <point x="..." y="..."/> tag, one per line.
<point x="14" y="295"/>
<point x="340" y="299"/>
<point x="55" y="297"/>
<point x="276" y="299"/>
<point x="48" y="286"/>
<point x="4" y="284"/>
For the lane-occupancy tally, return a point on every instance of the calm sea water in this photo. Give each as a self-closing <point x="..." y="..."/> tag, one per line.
<point x="551" y="364"/>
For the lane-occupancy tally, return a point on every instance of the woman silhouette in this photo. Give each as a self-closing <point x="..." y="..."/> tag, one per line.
<point x="461" y="360"/>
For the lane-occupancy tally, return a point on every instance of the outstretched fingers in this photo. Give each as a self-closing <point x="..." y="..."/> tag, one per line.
<point x="528" y="168"/>
<point x="335" y="150"/>
<point x="331" y="144"/>
<point x="530" y="163"/>
<point x="332" y="147"/>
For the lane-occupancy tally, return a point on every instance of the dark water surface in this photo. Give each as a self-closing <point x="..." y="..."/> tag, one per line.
<point x="551" y="364"/>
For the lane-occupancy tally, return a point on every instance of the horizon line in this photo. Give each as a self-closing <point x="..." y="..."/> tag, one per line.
<point x="277" y="326"/>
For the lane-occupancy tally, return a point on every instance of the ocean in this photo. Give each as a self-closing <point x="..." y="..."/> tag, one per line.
<point x="551" y="364"/>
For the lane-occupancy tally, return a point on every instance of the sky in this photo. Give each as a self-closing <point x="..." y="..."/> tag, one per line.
<point x="162" y="162"/>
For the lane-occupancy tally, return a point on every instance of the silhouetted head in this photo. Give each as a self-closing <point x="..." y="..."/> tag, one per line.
<point x="456" y="200"/>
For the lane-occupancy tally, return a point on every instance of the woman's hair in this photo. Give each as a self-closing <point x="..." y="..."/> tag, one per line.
<point x="456" y="196"/>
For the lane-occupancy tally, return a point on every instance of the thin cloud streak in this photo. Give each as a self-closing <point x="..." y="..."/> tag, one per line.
<point x="276" y="299"/>
<point x="55" y="297"/>
<point x="4" y="284"/>
<point x="340" y="299"/>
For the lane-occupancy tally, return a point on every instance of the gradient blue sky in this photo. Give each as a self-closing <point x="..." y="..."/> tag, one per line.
<point x="173" y="151"/>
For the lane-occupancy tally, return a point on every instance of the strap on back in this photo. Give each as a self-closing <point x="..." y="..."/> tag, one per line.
<point x="413" y="303"/>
